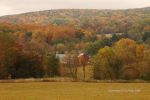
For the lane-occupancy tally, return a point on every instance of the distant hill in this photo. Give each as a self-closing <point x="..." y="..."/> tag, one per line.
<point x="90" y="19"/>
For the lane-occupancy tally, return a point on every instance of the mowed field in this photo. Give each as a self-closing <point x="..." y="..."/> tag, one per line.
<point x="74" y="91"/>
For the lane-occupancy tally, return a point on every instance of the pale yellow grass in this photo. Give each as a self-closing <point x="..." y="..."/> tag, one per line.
<point x="74" y="91"/>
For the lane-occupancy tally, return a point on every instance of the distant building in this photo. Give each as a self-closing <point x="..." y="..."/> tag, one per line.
<point x="83" y="54"/>
<point x="61" y="57"/>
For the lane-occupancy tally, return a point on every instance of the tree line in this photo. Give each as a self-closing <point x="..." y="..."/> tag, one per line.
<point x="28" y="50"/>
<point x="126" y="59"/>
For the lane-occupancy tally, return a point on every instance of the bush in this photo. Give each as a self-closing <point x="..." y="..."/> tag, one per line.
<point x="28" y="65"/>
<point x="52" y="65"/>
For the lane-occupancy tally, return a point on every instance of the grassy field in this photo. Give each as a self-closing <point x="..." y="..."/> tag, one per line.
<point x="74" y="91"/>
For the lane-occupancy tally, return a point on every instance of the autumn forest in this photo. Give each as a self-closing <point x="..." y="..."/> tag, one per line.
<point x="56" y="43"/>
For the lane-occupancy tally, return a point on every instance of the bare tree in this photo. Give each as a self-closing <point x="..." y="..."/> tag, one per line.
<point x="71" y="61"/>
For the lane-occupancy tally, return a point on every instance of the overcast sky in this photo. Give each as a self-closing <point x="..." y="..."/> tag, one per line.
<point x="8" y="7"/>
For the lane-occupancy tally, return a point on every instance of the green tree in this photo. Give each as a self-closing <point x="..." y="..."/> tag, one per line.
<point x="7" y="43"/>
<point x="146" y="36"/>
<point x="28" y="64"/>
<point x="106" y="64"/>
<point x="93" y="47"/>
<point x="51" y="65"/>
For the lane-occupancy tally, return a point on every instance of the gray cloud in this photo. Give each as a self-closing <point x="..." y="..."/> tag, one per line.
<point x="20" y="6"/>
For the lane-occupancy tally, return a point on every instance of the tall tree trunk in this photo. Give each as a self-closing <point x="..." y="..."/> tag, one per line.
<point x="76" y="72"/>
<point x="84" y="72"/>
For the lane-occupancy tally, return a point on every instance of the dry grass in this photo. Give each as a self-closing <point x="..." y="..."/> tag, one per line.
<point x="74" y="91"/>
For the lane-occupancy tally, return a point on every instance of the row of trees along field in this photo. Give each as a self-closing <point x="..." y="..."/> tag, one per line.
<point x="126" y="59"/>
<point x="28" y="50"/>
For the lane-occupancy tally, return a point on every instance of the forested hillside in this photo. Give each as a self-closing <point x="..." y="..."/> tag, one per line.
<point x="98" y="21"/>
<point x="116" y="43"/>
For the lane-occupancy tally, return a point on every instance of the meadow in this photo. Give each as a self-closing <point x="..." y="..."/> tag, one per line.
<point x="74" y="91"/>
